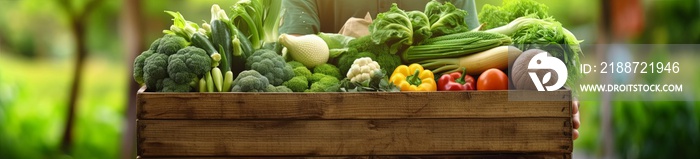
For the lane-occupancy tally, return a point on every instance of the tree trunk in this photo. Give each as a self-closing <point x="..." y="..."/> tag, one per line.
<point x="78" y="29"/>
<point x="130" y="18"/>
<point x="78" y="25"/>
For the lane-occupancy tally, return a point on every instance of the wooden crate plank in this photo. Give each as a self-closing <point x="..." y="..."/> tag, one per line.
<point x="398" y="105"/>
<point x="469" y="156"/>
<point x="352" y="137"/>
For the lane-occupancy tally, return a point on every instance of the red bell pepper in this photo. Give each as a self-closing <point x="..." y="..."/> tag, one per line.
<point x="456" y="81"/>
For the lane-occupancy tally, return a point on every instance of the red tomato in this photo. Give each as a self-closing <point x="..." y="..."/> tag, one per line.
<point x="492" y="79"/>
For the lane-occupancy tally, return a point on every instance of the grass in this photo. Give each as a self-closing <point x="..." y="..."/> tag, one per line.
<point x="33" y="106"/>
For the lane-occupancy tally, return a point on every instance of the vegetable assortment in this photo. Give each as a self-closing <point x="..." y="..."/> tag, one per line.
<point x="242" y="51"/>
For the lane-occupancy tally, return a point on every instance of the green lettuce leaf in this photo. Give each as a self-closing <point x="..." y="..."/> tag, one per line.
<point x="421" y="26"/>
<point x="445" y="18"/>
<point x="495" y="16"/>
<point x="392" y="28"/>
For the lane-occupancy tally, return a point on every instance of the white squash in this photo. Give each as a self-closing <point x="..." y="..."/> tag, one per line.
<point x="309" y="50"/>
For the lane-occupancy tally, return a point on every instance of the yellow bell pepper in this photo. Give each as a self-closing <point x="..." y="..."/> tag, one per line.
<point x="413" y="78"/>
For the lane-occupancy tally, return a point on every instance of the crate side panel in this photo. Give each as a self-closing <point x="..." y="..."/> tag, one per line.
<point x="468" y="156"/>
<point x="401" y="105"/>
<point x="352" y="137"/>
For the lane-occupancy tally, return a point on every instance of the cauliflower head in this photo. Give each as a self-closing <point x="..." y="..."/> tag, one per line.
<point x="362" y="70"/>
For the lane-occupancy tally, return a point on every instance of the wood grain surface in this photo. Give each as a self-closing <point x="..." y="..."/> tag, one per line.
<point x="352" y="137"/>
<point x="398" y="105"/>
<point x="473" y="124"/>
<point x="466" y="156"/>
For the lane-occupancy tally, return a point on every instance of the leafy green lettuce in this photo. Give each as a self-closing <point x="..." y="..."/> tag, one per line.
<point x="421" y="26"/>
<point x="529" y="25"/>
<point x="445" y="18"/>
<point x="337" y="43"/>
<point x="495" y="16"/>
<point x="393" y="28"/>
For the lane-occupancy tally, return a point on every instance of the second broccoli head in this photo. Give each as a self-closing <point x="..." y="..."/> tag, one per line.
<point x="271" y="65"/>
<point x="170" y="65"/>
<point x="252" y="81"/>
<point x="188" y="64"/>
<point x="306" y="81"/>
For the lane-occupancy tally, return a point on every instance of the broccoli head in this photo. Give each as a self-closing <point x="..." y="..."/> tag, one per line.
<point x="300" y="82"/>
<point x="317" y="77"/>
<point x="138" y="66"/>
<point x="154" y="45"/>
<point x="170" y="85"/>
<point x="365" y="44"/>
<point x="295" y="64"/>
<point x="159" y="86"/>
<point x="271" y="65"/>
<point x="297" y="84"/>
<point x="271" y="88"/>
<point x="388" y="62"/>
<point x="250" y="81"/>
<point x="188" y="64"/>
<point x="155" y="68"/>
<point x="324" y="85"/>
<point x="328" y="69"/>
<point x="302" y="71"/>
<point x="170" y="44"/>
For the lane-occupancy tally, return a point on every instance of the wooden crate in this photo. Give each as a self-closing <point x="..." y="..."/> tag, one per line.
<point x="475" y="124"/>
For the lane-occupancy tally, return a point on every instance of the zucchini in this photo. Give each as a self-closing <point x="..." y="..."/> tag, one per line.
<point x="246" y="46"/>
<point x="242" y="49"/>
<point x="201" y="41"/>
<point x="221" y="38"/>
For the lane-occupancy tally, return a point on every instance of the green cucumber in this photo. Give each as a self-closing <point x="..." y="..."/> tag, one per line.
<point x="201" y="41"/>
<point x="242" y="49"/>
<point x="221" y="38"/>
<point x="246" y="46"/>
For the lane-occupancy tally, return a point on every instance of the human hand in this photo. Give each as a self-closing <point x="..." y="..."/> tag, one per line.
<point x="577" y="119"/>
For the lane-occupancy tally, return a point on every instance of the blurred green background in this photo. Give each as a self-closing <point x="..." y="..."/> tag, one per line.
<point x="39" y="41"/>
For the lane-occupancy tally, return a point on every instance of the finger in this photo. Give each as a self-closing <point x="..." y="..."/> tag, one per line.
<point x="575" y="134"/>
<point x="577" y="121"/>
<point x="574" y="106"/>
